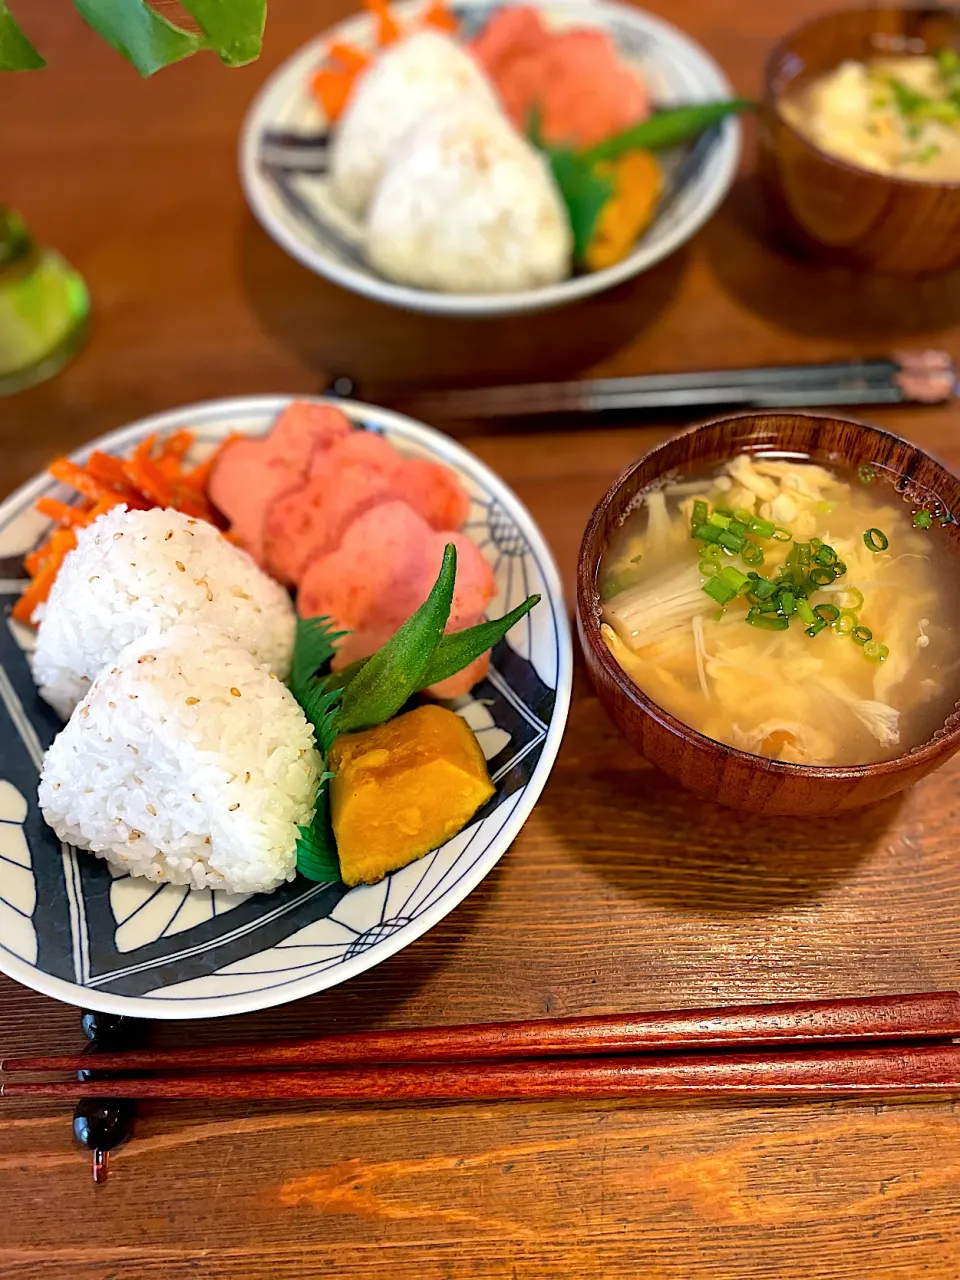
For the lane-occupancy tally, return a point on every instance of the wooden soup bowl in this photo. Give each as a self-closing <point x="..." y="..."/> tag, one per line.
<point x="831" y="208"/>
<point x="725" y="774"/>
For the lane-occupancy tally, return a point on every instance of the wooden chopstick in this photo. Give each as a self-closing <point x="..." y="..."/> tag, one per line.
<point x="921" y="376"/>
<point x="915" y="1016"/>
<point x="899" y="1069"/>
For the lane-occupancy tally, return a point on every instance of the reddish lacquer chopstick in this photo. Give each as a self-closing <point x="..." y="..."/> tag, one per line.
<point x="921" y="1016"/>
<point x="852" y="1071"/>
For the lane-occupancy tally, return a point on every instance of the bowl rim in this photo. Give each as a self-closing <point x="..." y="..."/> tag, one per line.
<point x="575" y="288"/>
<point x="771" y="99"/>
<point x="589" y="629"/>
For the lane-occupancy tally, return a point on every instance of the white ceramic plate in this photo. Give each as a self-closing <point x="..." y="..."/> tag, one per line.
<point x="286" y="186"/>
<point x="80" y="932"/>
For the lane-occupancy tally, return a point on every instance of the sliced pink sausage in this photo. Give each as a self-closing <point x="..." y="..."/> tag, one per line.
<point x="382" y="572"/>
<point x="509" y="34"/>
<point x="436" y="492"/>
<point x="354" y="474"/>
<point x="250" y="473"/>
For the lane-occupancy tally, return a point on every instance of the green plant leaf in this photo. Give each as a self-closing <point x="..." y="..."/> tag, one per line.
<point x="316" y="846"/>
<point x="16" y="51"/>
<point x="396" y="671"/>
<point x="234" y="28"/>
<point x="314" y="646"/>
<point x="584" y="192"/>
<point x="139" y="33"/>
<point x="666" y="129"/>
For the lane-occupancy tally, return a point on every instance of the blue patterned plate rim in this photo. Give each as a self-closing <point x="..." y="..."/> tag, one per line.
<point x="372" y="945"/>
<point x="290" y="214"/>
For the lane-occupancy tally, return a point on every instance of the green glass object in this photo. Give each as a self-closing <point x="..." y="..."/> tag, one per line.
<point x="44" y="306"/>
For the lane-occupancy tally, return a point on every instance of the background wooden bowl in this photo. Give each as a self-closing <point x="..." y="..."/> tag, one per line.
<point x="829" y="207"/>
<point x="725" y="774"/>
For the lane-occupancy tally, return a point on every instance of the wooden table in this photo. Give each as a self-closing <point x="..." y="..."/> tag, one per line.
<point x="621" y="893"/>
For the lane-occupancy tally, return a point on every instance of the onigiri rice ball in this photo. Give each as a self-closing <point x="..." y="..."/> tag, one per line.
<point x="186" y="762"/>
<point x="468" y="206"/>
<point x="410" y="78"/>
<point x="136" y="573"/>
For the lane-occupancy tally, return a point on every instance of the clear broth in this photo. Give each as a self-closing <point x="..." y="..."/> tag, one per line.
<point x="786" y="694"/>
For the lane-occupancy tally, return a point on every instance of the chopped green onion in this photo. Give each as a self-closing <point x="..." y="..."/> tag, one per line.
<point x="923" y="520"/>
<point x="762" y="528"/>
<point x="875" y="652"/>
<point x="821" y="575"/>
<point x="860" y="635"/>
<point x="768" y="621"/>
<point x="752" y="573"/>
<point x="637" y="558"/>
<point x="788" y="603"/>
<point x="816" y="543"/>
<point x="707" y="533"/>
<point x="840" y="568"/>
<point x="826" y="555"/>
<point x="827" y="612"/>
<point x="866" y="473"/>
<point x="846" y="622"/>
<point x="719" y="590"/>
<point x="724" y="511"/>
<point x="850" y="598"/>
<point x="824" y="508"/>
<point x="708" y="568"/>
<point x="876" y="540"/>
<point x="804" y="612"/>
<point x="764" y="589"/>
<point x="816" y="627"/>
<point x="700" y="513"/>
<point x="751" y="553"/>
<point x="718" y="520"/>
<point x="735" y="526"/>
<point x="743" y="515"/>
<point x="781" y="535"/>
<point x="734" y="576"/>
<point x="732" y="541"/>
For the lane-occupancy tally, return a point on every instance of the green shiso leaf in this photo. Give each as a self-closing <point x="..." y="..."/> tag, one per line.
<point x="396" y="671"/>
<point x="584" y="192"/>
<point x="316" y="847"/>
<point x="314" y="646"/>
<point x="666" y="129"/>
<point x="16" y="51"/>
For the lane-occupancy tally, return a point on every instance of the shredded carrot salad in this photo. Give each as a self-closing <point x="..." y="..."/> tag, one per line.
<point x="155" y="475"/>
<point x="333" y="83"/>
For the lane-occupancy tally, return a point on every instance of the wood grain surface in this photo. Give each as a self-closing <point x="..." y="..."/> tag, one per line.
<point x="621" y="893"/>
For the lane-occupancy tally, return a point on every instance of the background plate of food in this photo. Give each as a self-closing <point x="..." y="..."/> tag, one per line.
<point x="487" y="159"/>
<point x="191" y="692"/>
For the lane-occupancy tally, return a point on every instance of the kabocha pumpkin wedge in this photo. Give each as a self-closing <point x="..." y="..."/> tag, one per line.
<point x="402" y="789"/>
